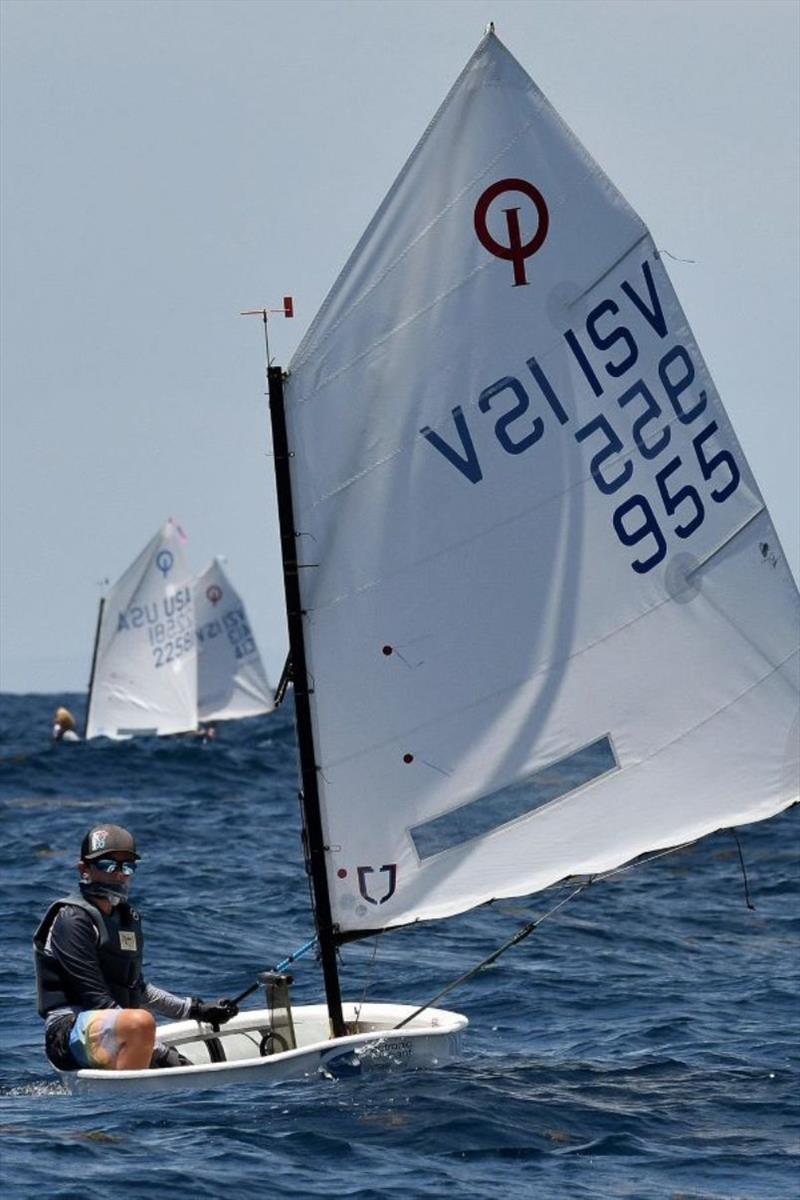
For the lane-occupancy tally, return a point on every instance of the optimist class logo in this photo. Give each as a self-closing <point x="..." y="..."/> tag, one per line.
<point x="516" y="251"/>
<point x="164" y="561"/>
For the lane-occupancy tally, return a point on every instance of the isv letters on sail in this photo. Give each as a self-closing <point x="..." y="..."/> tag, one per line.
<point x="646" y="384"/>
<point x="235" y="627"/>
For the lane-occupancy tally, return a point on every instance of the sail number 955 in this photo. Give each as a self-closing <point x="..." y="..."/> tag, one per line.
<point x="681" y="507"/>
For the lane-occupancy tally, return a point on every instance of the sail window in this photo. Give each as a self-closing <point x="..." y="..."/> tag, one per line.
<point x="487" y="813"/>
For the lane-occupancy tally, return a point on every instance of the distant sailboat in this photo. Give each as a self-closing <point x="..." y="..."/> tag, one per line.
<point x="171" y="650"/>
<point x="540" y="620"/>
<point x="231" y="680"/>
<point x="144" y="668"/>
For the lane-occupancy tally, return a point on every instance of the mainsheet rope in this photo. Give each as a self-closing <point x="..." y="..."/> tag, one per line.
<point x="518" y="937"/>
<point x="521" y="934"/>
<point x="529" y="928"/>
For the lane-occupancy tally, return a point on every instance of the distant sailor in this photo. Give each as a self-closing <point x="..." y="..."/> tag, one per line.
<point x="88" y="955"/>
<point x="64" y="728"/>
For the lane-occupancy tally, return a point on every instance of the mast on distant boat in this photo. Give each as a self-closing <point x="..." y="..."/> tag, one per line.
<point x="94" y="663"/>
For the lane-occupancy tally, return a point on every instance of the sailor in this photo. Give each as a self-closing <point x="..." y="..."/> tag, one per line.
<point x="64" y="729"/>
<point x="88" y="955"/>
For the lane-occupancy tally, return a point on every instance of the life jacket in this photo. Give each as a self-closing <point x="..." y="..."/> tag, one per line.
<point x="119" y="949"/>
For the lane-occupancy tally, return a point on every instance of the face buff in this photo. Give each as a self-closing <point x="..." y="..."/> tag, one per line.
<point x="110" y="890"/>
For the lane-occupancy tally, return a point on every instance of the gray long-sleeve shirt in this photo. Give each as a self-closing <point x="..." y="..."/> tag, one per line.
<point x="73" y="942"/>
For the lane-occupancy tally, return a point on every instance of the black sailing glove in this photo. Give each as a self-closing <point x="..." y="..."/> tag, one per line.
<point x="215" y="1014"/>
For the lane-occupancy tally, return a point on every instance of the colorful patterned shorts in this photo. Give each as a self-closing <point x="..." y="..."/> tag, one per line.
<point x="93" y="1041"/>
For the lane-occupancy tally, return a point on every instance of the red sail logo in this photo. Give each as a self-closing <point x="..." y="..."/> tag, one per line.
<point x="516" y="251"/>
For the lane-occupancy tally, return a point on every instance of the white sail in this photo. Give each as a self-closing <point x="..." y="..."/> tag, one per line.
<point x="231" y="681"/>
<point x="548" y="622"/>
<point x="145" y="678"/>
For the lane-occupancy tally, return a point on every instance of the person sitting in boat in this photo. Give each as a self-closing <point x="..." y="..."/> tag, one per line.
<point x="64" y="729"/>
<point x="88" y="955"/>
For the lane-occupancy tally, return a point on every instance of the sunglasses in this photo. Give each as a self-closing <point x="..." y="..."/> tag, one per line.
<point x="110" y="865"/>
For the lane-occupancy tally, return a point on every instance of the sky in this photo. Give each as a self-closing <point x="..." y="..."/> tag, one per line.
<point x="167" y="164"/>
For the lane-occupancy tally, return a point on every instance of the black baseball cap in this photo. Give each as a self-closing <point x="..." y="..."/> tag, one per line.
<point x="107" y="839"/>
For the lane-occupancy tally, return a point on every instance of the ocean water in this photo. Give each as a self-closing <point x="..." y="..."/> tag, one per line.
<point x="641" y="1044"/>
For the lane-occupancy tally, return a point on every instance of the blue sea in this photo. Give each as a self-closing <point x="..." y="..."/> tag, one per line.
<point x="641" y="1044"/>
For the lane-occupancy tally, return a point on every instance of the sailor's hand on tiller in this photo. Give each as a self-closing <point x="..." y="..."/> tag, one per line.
<point x="215" y="1013"/>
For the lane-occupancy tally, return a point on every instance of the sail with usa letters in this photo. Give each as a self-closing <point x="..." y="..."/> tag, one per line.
<point x="144" y="669"/>
<point x="231" y="680"/>
<point x="540" y="621"/>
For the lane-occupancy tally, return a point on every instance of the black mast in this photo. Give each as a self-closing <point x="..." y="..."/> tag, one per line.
<point x="94" y="662"/>
<point x="284" y="681"/>
<point x="315" y="845"/>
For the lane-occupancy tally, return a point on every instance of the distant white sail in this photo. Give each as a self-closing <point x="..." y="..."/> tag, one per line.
<point x="231" y="681"/>
<point x="145" y="678"/>
<point x="548" y="622"/>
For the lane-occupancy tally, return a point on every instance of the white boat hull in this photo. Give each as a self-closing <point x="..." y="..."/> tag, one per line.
<point x="428" y="1040"/>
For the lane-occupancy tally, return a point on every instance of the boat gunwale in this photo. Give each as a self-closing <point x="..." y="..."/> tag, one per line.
<point x="453" y="1023"/>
